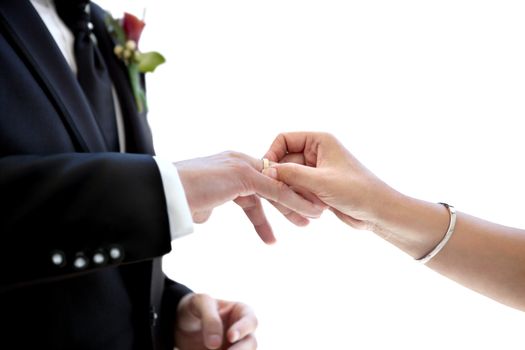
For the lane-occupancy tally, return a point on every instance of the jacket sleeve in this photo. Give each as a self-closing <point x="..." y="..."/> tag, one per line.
<point x="173" y="293"/>
<point x="71" y="213"/>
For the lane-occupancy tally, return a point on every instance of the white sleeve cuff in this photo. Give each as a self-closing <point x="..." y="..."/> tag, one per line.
<point x="179" y="215"/>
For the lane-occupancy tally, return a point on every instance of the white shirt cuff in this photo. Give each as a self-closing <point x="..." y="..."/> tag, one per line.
<point x="179" y="215"/>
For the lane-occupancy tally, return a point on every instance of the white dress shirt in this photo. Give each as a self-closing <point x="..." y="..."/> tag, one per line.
<point x="179" y="215"/>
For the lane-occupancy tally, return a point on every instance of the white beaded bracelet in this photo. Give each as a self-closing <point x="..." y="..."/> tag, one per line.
<point x="450" y="231"/>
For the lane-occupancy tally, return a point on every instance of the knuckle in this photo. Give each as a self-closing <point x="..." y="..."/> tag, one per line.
<point x="281" y="136"/>
<point x="244" y="307"/>
<point x="233" y="154"/>
<point x="228" y="154"/>
<point x="230" y="158"/>
<point x="235" y="163"/>
<point x="326" y="136"/>
<point x="200" y="298"/>
<point x="243" y="167"/>
<point x="234" y="160"/>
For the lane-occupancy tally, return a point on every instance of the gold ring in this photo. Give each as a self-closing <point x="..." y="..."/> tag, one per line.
<point x="266" y="163"/>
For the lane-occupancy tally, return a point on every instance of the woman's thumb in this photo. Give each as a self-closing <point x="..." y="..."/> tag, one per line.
<point x="294" y="175"/>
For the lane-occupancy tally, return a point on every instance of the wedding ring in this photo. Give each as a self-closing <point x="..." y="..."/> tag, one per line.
<point x="266" y="163"/>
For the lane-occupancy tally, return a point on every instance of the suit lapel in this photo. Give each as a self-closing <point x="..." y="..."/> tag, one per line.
<point x="138" y="133"/>
<point x="37" y="47"/>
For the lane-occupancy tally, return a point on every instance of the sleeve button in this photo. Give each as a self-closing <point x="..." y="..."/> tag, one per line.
<point x="99" y="258"/>
<point x="58" y="258"/>
<point x="80" y="262"/>
<point x="115" y="253"/>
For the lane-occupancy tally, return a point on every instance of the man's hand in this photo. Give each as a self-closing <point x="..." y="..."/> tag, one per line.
<point x="211" y="181"/>
<point x="205" y="323"/>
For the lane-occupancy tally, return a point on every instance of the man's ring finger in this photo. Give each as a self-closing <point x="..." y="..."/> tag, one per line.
<point x="266" y="163"/>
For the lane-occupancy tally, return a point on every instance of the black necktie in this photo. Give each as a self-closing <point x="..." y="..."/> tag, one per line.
<point x="92" y="73"/>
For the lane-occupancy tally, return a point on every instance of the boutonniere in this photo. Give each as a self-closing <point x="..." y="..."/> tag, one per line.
<point x="126" y="34"/>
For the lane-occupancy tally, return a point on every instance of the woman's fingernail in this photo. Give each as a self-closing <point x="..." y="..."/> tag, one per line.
<point x="214" y="341"/>
<point x="235" y="336"/>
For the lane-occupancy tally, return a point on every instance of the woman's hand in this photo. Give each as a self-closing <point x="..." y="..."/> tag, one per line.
<point x="318" y="163"/>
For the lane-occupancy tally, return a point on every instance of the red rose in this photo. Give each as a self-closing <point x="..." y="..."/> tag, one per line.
<point x="132" y="27"/>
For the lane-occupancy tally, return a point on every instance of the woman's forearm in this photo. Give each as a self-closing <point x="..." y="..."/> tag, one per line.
<point x="483" y="256"/>
<point x="486" y="257"/>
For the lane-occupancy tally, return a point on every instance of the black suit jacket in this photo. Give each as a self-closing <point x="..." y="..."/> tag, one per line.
<point x="66" y="198"/>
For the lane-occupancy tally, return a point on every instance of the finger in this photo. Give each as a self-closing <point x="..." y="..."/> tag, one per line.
<point x="245" y="324"/>
<point x="201" y="217"/>
<point x="279" y="192"/>
<point x="294" y="158"/>
<point x="292" y="216"/>
<point x="307" y="143"/>
<point x="309" y="196"/>
<point x="248" y="343"/>
<point x="206" y="308"/>
<point x="294" y="142"/>
<point x="297" y="158"/>
<point x="296" y="176"/>
<point x="278" y="149"/>
<point x="254" y="210"/>
<point x="187" y="321"/>
<point x="259" y="164"/>
<point x="274" y="190"/>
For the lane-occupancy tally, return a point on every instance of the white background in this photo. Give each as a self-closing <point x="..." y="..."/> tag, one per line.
<point x="430" y="95"/>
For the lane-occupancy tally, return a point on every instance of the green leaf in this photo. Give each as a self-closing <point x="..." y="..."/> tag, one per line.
<point x="115" y="29"/>
<point x="148" y="61"/>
